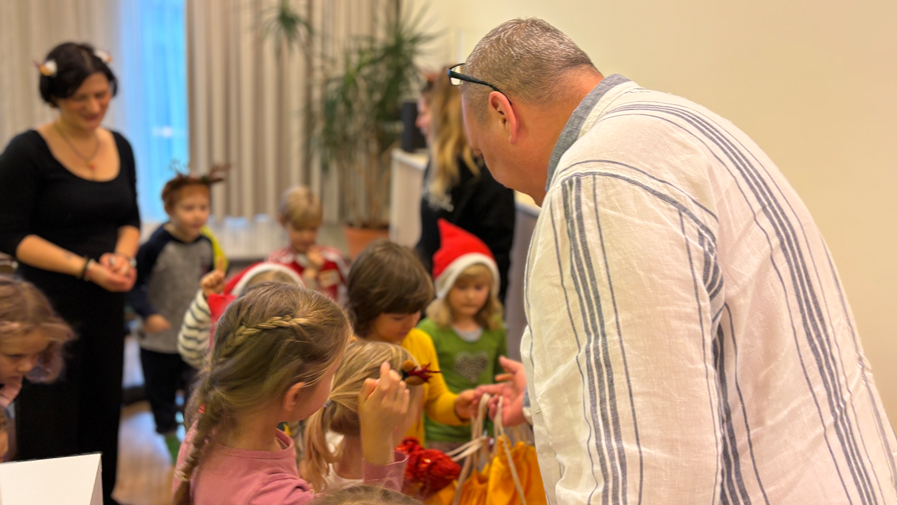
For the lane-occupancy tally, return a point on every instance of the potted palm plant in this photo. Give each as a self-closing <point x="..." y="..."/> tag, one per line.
<point x="358" y="122"/>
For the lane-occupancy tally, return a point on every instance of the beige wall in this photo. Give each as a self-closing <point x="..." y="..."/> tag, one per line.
<point x="814" y="83"/>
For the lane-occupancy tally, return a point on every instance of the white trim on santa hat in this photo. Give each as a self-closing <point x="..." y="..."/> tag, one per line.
<point x="447" y="279"/>
<point x="240" y="286"/>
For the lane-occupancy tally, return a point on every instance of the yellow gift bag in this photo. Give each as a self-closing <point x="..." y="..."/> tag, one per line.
<point x="511" y="476"/>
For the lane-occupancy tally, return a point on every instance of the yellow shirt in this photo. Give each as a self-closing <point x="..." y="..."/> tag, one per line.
<point x="439" y="402"/>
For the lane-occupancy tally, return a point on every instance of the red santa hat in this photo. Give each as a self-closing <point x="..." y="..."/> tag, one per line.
<point x="459" y="251"/>
<point x="236" y="286"/>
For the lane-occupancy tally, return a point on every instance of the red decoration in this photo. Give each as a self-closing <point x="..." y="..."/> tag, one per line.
<point x="428" y="470"/>
<point x="416" y="375"/>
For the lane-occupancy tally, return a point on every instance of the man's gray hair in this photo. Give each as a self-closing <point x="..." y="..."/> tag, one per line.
<point x="524" y="58"/>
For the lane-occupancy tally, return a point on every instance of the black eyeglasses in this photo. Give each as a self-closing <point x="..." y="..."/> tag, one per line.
<point x="455" y="77"/>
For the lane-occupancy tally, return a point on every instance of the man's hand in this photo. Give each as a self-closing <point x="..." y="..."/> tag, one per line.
<point x="511" y="386"/>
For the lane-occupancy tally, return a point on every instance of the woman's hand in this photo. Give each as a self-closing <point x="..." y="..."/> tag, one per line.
<point x="117" y="263"/>
<point x="382" y="405"/>
<point x="156" y="323"/>
<point x="105" y="278"/>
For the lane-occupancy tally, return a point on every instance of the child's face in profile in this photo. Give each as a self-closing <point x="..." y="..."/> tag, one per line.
<point x="301" y="239"/>
<point x="468" y="296"/>
<point x="393" y="328"/>
<point x="19" y="354"/>
<point x="190" y="211"/>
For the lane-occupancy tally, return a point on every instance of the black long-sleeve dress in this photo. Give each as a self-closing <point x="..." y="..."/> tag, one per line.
<point x="38" y="195"/>
<point x="480" y="205"/>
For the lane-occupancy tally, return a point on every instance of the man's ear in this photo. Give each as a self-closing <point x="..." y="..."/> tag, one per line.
<point x="507" y="117"/>
<point x="293" y="397"/>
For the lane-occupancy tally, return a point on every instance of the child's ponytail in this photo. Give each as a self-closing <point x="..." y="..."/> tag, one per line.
<point x="318" y="456"/>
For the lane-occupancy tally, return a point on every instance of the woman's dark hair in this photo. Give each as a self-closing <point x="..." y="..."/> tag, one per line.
<point x="386" y="278"/>
<point x="74" y="64"/>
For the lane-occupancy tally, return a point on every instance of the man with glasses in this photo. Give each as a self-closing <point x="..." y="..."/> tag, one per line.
<point x="689" y="340"/>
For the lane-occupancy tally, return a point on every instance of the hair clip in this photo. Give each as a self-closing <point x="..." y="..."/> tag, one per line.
<point x="416" y="375"/>
<point x="103" y="56"/>
<point x="47" y="68"/>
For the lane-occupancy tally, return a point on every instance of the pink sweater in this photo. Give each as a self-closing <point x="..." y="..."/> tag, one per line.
<point x="242" y="477"/>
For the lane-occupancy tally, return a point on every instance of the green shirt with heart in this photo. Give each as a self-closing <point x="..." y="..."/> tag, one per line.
<point x="464" y="365"/>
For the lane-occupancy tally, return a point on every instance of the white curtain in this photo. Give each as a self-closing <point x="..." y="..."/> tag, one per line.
<point x="28" y="30"/>
<point x="248" y="101"/>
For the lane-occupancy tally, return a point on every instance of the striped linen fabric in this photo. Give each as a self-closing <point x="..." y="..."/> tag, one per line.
<point x="689" y="339"/>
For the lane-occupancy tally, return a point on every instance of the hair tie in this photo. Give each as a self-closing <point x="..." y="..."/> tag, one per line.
<point x="103" y="56"/>
<point x="416" y="375"/>
<point x="47" y="68"/>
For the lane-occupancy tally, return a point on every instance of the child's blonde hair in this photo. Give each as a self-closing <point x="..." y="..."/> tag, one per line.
<point x="489" y="317"/>
<point x="361" y="361"/>
<point x="23" y="309"/>
<point x="364" y="495"/>
<point x="301" y="208"/>
<point x="273" y="337"/>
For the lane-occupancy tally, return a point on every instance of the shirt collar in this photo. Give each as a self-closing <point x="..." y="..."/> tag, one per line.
<point x="571" y="131"/>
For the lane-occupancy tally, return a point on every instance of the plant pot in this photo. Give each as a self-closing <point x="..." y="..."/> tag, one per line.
<point x="359" y="238"/>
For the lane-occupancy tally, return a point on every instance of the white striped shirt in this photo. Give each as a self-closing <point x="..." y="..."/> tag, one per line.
<point x="689" y="340"/>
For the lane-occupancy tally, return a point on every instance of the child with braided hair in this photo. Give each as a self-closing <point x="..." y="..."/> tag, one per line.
<point x="333" y="436"/>
<point x="276" y="351"/>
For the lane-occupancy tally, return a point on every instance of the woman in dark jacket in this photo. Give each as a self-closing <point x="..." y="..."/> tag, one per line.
<point x="458" y="187"/>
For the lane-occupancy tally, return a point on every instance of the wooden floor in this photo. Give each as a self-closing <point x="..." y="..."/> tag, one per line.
<point x="144" y="464"/>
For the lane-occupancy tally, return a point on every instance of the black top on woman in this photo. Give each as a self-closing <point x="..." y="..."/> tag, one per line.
<point x="68" y="213"/>
<point x="458" y="187"/>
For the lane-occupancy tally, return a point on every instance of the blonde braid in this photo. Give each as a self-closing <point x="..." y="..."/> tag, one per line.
<point x="243" y="332"/>
<point x="212" y="416"/>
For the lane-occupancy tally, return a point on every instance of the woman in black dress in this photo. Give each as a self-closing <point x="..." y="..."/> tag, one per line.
<point x="68" y="213"/>
<point x="457" y="186"/>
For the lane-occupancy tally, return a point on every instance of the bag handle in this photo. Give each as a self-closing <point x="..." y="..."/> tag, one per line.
<point x="505" y="442"/>
<point x="471" y="451"/>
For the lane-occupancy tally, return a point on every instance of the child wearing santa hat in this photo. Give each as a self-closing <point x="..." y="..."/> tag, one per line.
<point x="465" y="322"/>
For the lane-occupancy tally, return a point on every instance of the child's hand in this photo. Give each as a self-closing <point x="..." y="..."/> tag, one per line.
<point x="213" y="282"/>
<point x="463" y="404"/>
<point x="156" y="323"/>
<point x="382" y="405"/>
<point x="315" y="258"/>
